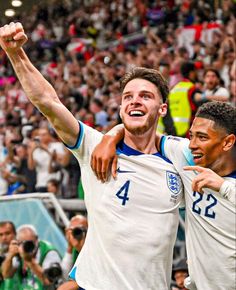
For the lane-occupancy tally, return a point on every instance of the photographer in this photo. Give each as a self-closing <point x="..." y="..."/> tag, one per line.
<point x="75" y="235"/>
<point x="7" y="234"/>
<point x="36" y="259"/>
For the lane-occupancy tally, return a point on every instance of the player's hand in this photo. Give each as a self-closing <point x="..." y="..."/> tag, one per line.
<point x="104" y="159"/>
<point x="205" y="179"/>
<point x="12" y="37"/>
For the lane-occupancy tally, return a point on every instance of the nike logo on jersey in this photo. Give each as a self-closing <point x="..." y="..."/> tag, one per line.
<point x="124" y="171"/>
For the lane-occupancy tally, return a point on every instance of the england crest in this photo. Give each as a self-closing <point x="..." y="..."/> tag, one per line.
<point x="174" y="182"/>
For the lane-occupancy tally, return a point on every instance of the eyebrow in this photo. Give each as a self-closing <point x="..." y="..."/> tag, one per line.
<point x="141" y="92"/>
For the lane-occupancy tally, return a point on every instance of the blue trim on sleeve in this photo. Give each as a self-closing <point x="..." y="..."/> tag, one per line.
<point x="79" y="139"/>
<point x="162" y="144"/>
<point x="189" y="157"/>
<point x="72" y="273"/>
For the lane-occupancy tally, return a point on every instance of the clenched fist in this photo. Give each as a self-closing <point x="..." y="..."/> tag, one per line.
<point x="12" y="37"/>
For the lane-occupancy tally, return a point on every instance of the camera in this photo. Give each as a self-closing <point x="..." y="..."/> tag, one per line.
<point x="78" y="233"/>
<point x="53" y="273"/>
<point x="28" y="247"/>
<point x="2" y="258"/>
<point x="37" y="140"/>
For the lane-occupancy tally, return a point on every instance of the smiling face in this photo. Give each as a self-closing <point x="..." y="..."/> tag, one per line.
<point x="141" y="106"/>
<point x="207" y="143"/>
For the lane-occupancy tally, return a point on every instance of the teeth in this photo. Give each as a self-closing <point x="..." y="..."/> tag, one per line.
<point x="139" y="113"/>
<point x="197" y="155"/>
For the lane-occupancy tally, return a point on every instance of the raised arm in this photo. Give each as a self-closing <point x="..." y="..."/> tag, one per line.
<point x="36" y="87"/>
<point x="104" y="158"/>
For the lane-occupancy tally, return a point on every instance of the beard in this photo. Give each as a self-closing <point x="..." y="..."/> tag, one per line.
<point x="141" y="129"/>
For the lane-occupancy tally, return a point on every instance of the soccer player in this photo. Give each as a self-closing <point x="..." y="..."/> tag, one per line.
<point x="133" y="220"/>
<point x="210" y="193"/>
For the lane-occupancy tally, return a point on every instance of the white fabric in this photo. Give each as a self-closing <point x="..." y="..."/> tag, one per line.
<point x="128" y="246"/>
<point x="42" y="159"/>
<point x="220" y="92"/>
<point x="210" y="226"/>
<point x="3" y="182"/>
<point x="66" y="264"/>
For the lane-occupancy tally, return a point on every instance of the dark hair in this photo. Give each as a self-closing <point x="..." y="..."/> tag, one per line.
<point x="4" y="223"/>
<point x="54" y="182"/>
<point x="186" y="68"/>
<point x="212" y="70"/>
<point x="148" y="74"/>
<point x="223" y="114"/>
<point x="98" y="102"/>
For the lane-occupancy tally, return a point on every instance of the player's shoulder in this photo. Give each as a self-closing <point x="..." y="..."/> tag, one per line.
<point x="175" y="141"/>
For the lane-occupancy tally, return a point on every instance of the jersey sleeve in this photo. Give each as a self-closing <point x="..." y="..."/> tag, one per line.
<point x="176" y="150"/>
<point x="228" y="190"/>
<point x="87" y="140"/>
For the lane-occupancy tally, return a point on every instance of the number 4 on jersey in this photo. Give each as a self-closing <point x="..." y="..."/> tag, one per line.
<point x="123" y="192"/>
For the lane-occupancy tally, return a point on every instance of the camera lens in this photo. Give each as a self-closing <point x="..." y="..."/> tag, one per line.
<point x="53" y="272"/>
<point x="28" y="247"/>
<point x="78" y="233"/>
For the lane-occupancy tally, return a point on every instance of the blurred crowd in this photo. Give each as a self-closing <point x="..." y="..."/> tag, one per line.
<point x="83" y="48"/>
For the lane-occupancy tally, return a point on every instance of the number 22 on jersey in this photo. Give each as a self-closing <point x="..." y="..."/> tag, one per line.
<point x="208" y="211"/>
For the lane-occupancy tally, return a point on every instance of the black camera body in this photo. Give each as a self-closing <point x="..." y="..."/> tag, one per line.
<point x="53" y="273"/>
<point x="78" y="233"/>
<point x="2" y="258"/>
<point x="28" y="247"/>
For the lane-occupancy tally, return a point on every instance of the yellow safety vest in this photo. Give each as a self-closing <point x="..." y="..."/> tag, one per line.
<point x="180" y="108"/>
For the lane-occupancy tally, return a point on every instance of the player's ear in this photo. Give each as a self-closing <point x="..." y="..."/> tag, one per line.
<point x="229" y="142"/>
<point x="163" y="110"/>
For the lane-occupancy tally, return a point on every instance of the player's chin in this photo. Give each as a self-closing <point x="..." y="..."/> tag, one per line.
<point x="137" y="129"/>
<point x="199" y="162"/>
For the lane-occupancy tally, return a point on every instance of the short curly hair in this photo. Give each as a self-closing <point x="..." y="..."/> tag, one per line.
<point x="223" y="114"/>
<point x="150" y="75"/>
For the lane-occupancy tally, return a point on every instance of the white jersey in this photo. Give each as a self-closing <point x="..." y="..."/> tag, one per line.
<point x="133" y="220"/>
<point x="210" y="225"/>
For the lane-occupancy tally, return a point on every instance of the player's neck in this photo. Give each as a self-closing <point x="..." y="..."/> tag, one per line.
<point x="226" y="164"/>
<point x="145" y="143"/>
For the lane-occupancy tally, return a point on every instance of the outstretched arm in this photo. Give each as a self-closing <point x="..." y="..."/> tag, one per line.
<point x="209" y="179"/>
<point x="36" y="87"/>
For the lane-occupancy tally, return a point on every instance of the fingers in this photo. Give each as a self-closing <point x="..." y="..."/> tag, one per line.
<point x="8" y="31"/>
<point x="104" y="170"/>
<point x="198" y="184"/>
<point x="194" y="168"/>
<point x="100" y="167"/>
<point x="114" y="167"/>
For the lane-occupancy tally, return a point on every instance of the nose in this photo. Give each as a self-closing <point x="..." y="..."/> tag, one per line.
<point x="136" y="99"/>
<point x="192" y="143"/>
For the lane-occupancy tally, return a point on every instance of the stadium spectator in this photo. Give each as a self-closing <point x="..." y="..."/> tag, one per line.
<point x="213" y="89"/>
<point x="75" y="235"/>
<point x="31" y="258"/>
<point x="181" y="100"/>
<point x="45" y="156"/>
<point x="7" y="234"/>
<point x="179" y="274"/>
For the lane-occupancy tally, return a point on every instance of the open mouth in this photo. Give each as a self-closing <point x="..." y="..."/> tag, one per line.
<point x="197" y="157"/>
<point x="136" y="113"/>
